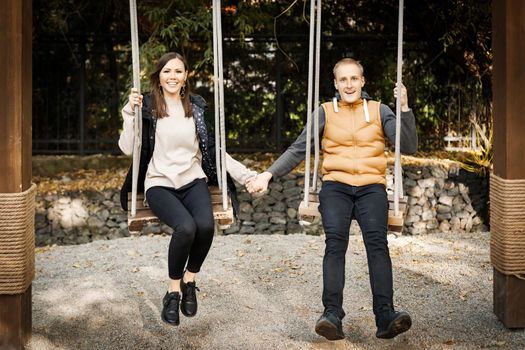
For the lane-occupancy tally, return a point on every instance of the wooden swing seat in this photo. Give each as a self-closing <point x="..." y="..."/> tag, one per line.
<point x="395" y="223"/>
<point x="144" y="215"/>
<point x="307" y="214"/>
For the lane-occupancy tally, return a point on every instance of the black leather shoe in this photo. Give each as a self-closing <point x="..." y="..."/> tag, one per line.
<point x="330" y="326"/>
<point x="188" y="305"/>
<point x="170" y="308"/>
<point x="391" y="323"/>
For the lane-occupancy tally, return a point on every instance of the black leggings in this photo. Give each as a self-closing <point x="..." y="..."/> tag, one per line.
<point x="188" y="212"/>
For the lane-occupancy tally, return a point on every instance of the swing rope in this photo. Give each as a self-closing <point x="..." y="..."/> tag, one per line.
<point x="398" y="184"/>
<point x="216" y="95"/>
<point x="309" y="105"/>
<point x="138" y="111"/>
<point x="220" y="142"/>
<point x="316" y="94"/>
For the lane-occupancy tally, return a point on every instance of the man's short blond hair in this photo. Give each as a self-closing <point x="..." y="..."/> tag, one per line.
<point x="348" y="60"/>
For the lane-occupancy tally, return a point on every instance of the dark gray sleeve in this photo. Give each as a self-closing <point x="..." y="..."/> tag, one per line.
<point x="293" y="156"/>
<point x="408" y="129"/>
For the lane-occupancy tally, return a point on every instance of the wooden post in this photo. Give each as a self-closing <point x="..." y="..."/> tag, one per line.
<point x="508" y="31"/>
<point x="16" y="25"/>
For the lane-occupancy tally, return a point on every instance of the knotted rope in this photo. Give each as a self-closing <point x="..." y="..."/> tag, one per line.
<point x="17" y="240"/>
<point x="507" y="225"/>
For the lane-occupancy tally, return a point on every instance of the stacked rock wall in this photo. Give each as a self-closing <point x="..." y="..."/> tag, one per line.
<point x="440" y="198"/>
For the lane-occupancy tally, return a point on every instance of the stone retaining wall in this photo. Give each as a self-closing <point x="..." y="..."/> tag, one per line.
<point x="440" y="198"/>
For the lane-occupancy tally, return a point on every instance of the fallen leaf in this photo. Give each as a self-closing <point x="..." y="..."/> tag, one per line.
<point x="135" y="269"/>
<point x="449" y="342"/>
<point x="76" y="264"/>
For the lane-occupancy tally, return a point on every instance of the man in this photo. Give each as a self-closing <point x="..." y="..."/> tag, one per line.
<point x="353" y="132"/>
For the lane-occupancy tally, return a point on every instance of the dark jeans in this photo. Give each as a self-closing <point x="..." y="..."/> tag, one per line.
<point x="188" y="212"/>
<point x="339" y="204"/>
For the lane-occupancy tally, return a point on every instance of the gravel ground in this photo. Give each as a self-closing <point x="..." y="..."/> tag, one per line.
<point x="263" y="292"/>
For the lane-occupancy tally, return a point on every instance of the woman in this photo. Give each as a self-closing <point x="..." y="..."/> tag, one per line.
<point x="176" y="162"/>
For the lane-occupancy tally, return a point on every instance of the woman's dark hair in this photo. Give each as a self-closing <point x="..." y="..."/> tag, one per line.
<point x="159" y="104"/>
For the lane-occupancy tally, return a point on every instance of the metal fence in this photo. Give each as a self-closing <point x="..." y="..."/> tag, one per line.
<point x="79" y="86"/>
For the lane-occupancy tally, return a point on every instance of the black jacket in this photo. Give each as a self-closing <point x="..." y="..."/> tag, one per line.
<point x="206" y="146"/>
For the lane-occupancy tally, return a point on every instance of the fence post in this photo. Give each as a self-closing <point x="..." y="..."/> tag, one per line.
<point x="82" y="99"/>
<point x="279" y="101"/>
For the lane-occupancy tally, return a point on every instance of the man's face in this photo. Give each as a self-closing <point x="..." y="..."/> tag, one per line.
<point x="349" y="82"/>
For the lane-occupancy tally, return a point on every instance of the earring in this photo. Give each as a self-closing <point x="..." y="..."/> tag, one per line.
<point x="182" y="91"/>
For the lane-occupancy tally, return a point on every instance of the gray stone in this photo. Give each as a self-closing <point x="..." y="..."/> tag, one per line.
<point x="108" y="204"/>
<point x="262" y="226"/>
<point x="232" y="229"/>
<point x="415" y="210"/>
<point x="455" y="223"/>
<point x="275" y="186"/>
<point x="446" y="200"/>
<point x="443" y="209"/>
<point x="411" y="201"/>
<point x="453" y="191"/>
<point x="104" y="215"/>
<point x="289" y="184"/>
<point x="409" y="183"/>
<point x="412" y="218"/>
<point x="463" y="214"/>
<point x="291" y="192"/>
<point x="94" y="221"/>
<point x="427" y="215"/>
<point x="468" y="224"/>
<point x="245" y="207"/>
<point x="276" y="214"/>
<point x="245" y="217"/>
<point x="246" y="230"/>
<point x="444" y="216"/>
<point x="449" y="185"/>
<point x="277" y="195"/>
<point x="64" y="200"/>
<point x="277" y="227"/>
<point x="444" y="226"/>
<point x="260" y="217"/>
<point x="432" y="224"/>
<point x="426" y="183"/>
<point x="279" y="206"/>
<point x="418" y="228"/>
<point x="277" y="220"/>
<point x="415" y="191"/>
<point x="429" y="192"/>
<point x="292" y="213"/>
<point x="438" y="172"/>
<point x="292" y="228"/>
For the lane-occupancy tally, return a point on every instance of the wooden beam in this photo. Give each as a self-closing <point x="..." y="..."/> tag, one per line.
<point x="16" y="26"/>
<point x="508" y="31"/>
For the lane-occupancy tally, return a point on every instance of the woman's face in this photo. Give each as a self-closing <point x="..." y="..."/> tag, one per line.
<point x="173" y="77"/>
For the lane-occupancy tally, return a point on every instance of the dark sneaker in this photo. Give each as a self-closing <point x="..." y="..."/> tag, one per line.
<point x="170" y="308"/>
<point x="188" y="305"/>
<point x="392" y="323"/>
<point x="330" y="326"/>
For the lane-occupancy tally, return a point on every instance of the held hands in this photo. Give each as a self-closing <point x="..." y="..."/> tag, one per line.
<point x="258" y="183"/>
<point x="135" y="99"/>
<point x="404" y="97"/>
